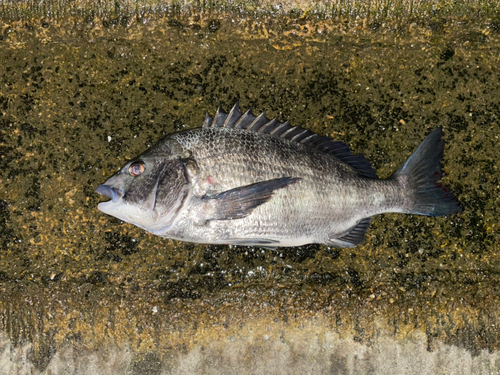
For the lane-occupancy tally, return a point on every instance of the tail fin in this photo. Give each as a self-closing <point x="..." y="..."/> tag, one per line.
<point x="422" y="172"/>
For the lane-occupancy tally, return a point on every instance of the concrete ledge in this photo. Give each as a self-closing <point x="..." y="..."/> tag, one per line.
<point x="307" y="353"/>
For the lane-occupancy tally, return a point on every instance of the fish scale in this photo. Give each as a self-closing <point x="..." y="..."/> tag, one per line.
<point x="247" y="180"/>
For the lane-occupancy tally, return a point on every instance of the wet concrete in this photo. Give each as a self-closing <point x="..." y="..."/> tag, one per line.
<point x="86" y="293"/>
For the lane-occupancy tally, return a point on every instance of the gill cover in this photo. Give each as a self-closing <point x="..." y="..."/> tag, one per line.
<point x="151" y="200"/>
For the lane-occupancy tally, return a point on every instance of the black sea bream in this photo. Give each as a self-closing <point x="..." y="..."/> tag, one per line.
<point x="247" y="180"/>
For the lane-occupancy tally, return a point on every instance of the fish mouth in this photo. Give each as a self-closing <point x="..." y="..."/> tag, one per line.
<point x="110" y="192"/>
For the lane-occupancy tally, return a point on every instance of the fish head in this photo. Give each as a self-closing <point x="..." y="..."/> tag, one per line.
<point x="148" y="191"/>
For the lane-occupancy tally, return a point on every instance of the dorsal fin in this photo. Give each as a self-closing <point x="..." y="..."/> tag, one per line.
<point x="275" y="128"/>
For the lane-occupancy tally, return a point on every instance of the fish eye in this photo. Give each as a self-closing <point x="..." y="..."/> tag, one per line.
<point x="136" y="168"/>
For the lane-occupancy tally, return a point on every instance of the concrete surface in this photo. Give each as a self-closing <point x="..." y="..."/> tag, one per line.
<point x="80" y="93"/>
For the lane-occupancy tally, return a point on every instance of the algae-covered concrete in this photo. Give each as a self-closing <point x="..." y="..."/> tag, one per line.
<point x="84" y="293"/>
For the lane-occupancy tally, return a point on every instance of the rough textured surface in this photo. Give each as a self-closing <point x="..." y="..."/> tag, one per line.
<point x="79" y="97"/>
<point x="295" y="350"/>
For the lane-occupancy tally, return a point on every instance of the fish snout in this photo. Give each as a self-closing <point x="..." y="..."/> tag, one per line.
<point x="109" y="192"/>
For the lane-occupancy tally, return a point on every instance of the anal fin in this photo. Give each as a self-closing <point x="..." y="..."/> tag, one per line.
<point x="354" y="236"/>
<point x="239" y="202"/>
<point x="260" y="242"/>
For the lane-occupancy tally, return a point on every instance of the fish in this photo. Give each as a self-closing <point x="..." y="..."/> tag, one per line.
<point x="242" y="179"/>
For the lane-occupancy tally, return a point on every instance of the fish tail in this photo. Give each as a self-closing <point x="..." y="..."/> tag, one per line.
<point x="420" y="175"/>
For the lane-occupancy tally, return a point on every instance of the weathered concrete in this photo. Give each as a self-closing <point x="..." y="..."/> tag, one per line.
<point x="84" y="293"/>
<point x="291" y="352"/>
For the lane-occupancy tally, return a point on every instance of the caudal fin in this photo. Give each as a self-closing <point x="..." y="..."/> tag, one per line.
<point x="421" y="174"/>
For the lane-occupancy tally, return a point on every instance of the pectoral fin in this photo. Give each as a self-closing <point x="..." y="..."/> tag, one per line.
<point x="239" y="202"/>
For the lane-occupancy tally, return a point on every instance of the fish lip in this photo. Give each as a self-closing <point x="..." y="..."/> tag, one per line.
<point x="110" y="192"/>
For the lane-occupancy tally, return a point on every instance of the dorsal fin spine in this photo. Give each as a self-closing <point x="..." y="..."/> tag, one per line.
<point x="308" y="139"/>
<point x="242" y="119"/>
<point x="278" y="128"/>
<point x="295" y="137"/>
<point x="267" y="125"/>
<point x="219" y="117"/>
<point x="287" y="132"/>
<point x="254" y="122"/>
<point x="232" y="117"/>
<point x="207" y="122"/>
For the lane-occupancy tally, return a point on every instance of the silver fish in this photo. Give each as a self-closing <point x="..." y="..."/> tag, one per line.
<point x="246" y="180"/>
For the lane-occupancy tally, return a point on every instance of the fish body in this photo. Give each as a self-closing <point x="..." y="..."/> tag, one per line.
<point x="246" y="180"/>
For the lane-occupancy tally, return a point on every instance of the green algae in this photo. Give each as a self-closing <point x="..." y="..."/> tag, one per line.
<point x="77" y="101"/>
